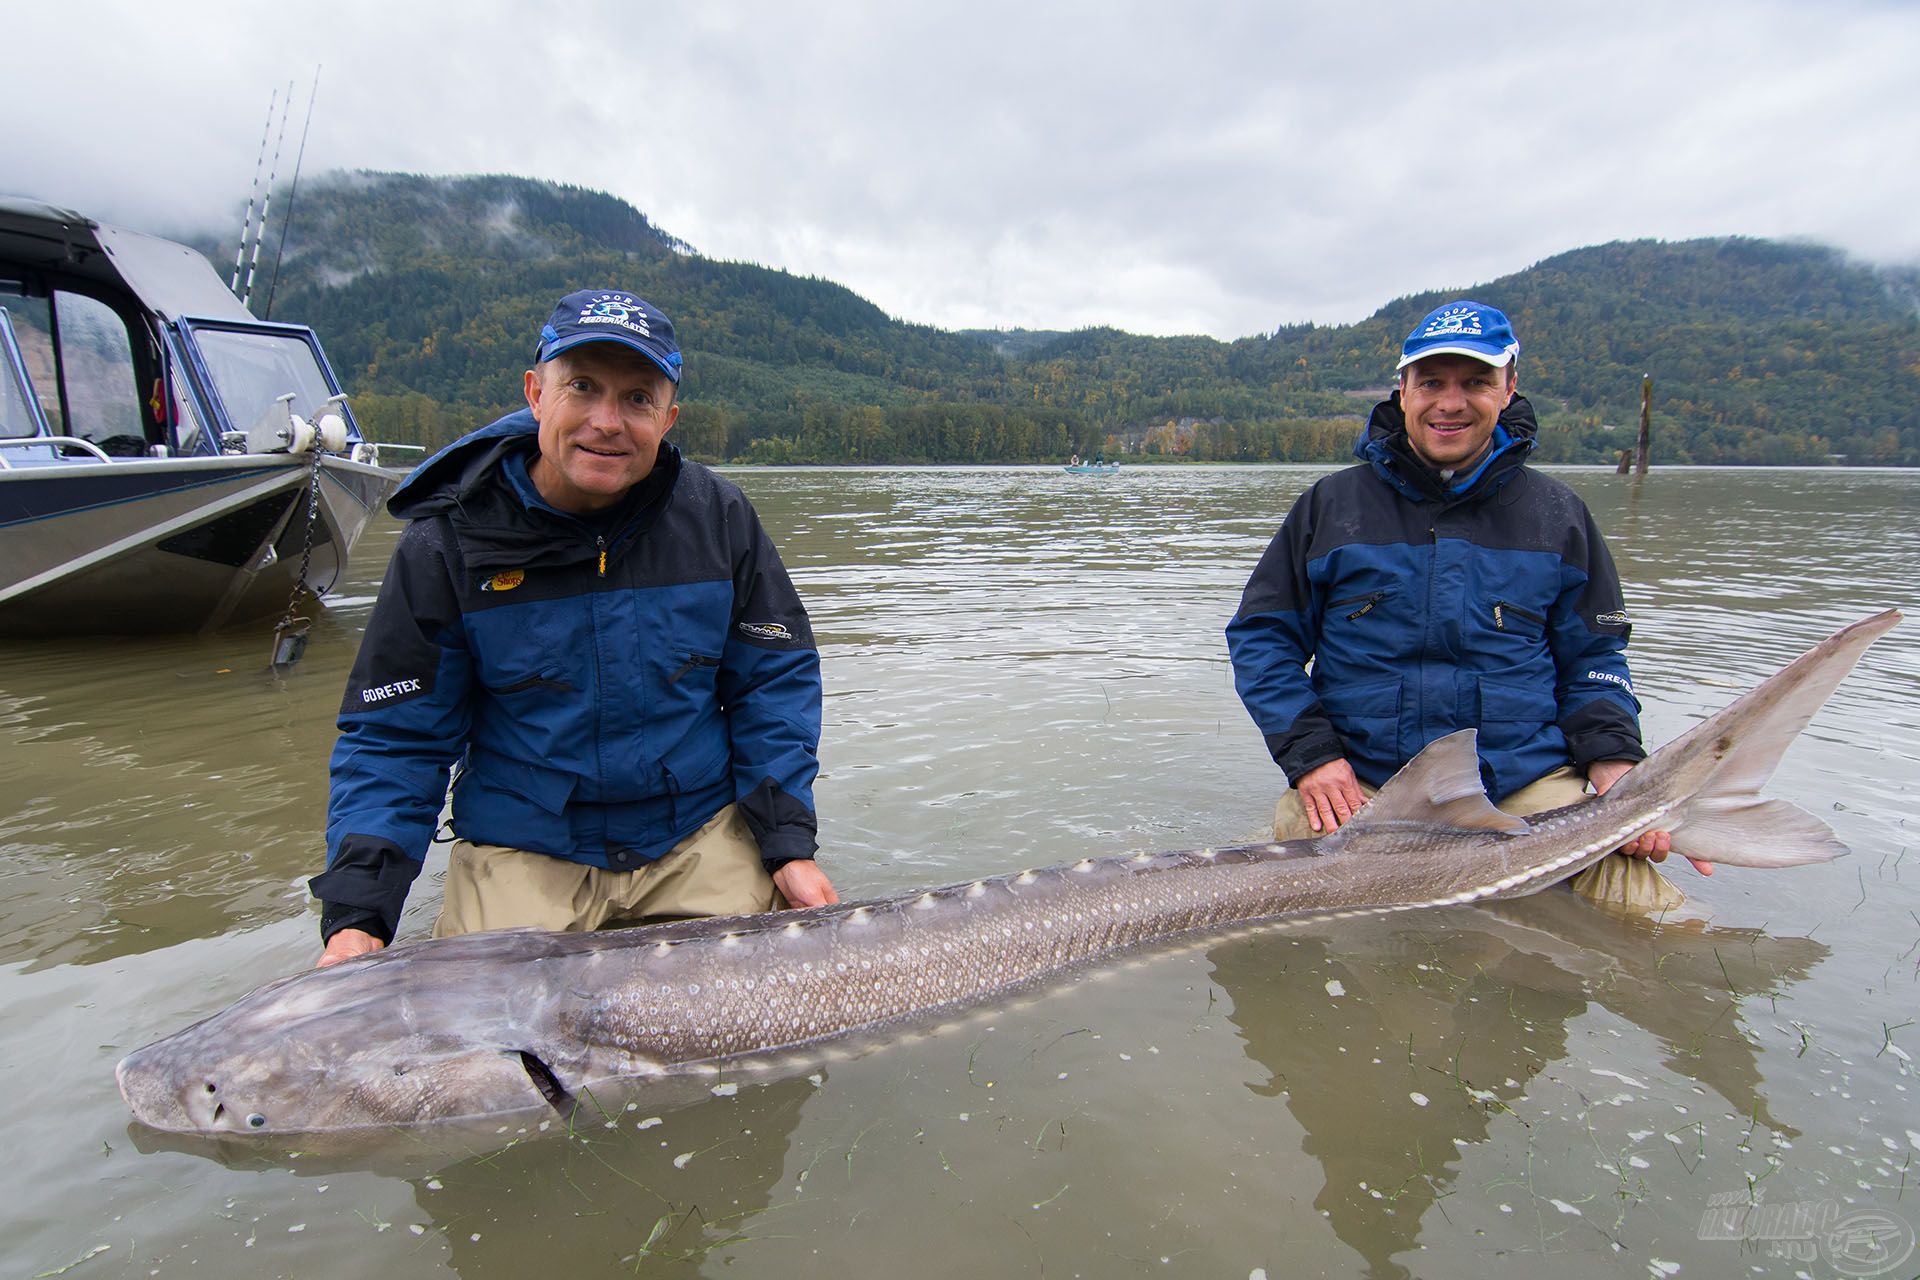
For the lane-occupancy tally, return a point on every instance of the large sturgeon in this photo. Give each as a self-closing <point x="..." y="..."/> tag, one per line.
<point x="493" y="1023"/>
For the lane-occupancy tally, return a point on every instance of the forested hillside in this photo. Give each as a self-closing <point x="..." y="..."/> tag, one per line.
<point x="428" y="293"/>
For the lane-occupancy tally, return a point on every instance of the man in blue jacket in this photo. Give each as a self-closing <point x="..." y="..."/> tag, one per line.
<point x="1438" y="586"/>
<point x="602" y="636"/>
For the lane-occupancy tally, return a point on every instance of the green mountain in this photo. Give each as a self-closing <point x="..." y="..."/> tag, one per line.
<point x="427" y="292"/>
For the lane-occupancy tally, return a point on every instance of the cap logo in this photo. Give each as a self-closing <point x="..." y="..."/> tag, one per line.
<point x="1453" y="322"/>
<point x="616" y="308"/>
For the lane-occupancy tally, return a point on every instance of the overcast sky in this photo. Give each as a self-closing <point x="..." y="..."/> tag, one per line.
<point x="1216" y="168"/>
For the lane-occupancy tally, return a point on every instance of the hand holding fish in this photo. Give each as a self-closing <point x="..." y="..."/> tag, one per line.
<point x="1331" y="794"/>
<point x="803" y="884"/>
<point x="345" y="944"/>
<point x="1654" y="845"/>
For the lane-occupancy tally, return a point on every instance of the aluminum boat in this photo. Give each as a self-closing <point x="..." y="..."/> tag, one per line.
<point x="168" y="462"/>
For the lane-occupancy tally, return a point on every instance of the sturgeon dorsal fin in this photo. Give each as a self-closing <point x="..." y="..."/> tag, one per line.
<point x="1440" y="787"/>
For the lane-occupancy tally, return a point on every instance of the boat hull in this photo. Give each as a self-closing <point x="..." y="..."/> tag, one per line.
<point x="173" y="544"/>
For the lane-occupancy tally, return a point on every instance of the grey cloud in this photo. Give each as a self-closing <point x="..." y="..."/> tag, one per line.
<point x="1224" y="168"/>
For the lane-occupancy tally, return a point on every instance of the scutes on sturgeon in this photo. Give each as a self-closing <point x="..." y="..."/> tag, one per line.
<point x="499" y="1022"/>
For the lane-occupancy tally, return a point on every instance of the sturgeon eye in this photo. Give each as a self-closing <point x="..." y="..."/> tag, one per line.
<point x="256" y="1121"/>
<point x="212" y="1087"/>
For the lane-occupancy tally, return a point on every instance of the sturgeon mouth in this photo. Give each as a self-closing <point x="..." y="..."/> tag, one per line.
<point x="547" y="1082"/>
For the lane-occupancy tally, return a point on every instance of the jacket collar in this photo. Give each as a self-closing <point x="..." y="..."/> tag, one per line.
<point x="480" y="483"/>
<point x="1383" y="445"/>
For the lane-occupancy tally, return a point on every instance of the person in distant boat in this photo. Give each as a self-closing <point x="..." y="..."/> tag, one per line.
<point x="1443" y="585"/>
<point x="603" y="637"/>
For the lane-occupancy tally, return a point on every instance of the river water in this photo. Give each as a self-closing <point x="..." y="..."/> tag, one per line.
<point x="1024" y="668"/>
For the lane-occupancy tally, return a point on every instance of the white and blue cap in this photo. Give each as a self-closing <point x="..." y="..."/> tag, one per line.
<point x="610" y="315"/>
<point x="1462" y="328"/>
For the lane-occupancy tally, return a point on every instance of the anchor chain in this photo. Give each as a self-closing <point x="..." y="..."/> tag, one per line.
<point x="290" y="637"/>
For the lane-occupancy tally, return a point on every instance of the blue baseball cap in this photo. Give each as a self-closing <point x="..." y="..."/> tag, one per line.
<point x="1462" y="328"/>
<point x="610" y="315"/>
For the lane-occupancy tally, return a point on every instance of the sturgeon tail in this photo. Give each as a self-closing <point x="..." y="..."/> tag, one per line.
<point x="1727" y="758"/>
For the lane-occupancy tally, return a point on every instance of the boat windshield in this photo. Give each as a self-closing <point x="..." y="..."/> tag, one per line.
<point x="251" y="371"/>
<point x="16" y="412"/>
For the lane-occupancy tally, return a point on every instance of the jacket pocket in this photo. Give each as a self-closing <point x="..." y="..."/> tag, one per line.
<point x="695" y="664"/>
<point x="1518" y="619"/>
<point x="1356" y="607"/>
<point x="1513" y="716"/>
<point x="500" y="800"/>
<point x="695" y="768"/>
<point x="553" y="681"/>
<point x="1367" y="718"/>
<point x="1516" y="702"/>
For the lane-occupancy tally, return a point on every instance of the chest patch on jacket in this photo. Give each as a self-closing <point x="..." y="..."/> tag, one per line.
<point x="505" y="580"/>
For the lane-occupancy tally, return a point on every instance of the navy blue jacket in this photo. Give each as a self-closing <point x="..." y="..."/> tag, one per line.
<point x="1428" y="605"/>
<point x="607" y="685"/>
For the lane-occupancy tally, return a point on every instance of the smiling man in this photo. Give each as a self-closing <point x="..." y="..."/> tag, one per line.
<point x="602" y="636"/>
<point x="1443" y="585"/>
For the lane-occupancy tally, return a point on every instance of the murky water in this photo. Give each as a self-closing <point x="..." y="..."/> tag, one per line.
<point x="1024" y="668"/>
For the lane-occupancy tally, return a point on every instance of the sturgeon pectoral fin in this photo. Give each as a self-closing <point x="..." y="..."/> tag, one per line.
<point x="1440" y="787"/>
<point x="547" y="1082"/>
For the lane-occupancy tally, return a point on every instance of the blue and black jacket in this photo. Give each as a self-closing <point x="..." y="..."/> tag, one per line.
<point x="606" y="684"/>
<point x="1429" y="604"/>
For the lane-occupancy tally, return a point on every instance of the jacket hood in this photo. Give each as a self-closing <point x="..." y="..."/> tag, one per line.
<point x="1384" y="446"/>
<point x="437" y="485"/>
<point x="480" y="483"/>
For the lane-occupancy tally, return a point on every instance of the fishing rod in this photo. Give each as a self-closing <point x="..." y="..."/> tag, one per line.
<point x="272" y="173"/>
<point x="246" y="223"/>
<point x="273" y="282"/>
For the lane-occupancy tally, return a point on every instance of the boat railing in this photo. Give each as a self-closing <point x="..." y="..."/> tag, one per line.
<point x="61" y="442"/>
<point x="379" y="448"/>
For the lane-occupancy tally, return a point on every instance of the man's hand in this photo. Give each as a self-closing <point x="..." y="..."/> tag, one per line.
<point x="345" y="944"/>
<point x="1330" y="795"/>
<point x="1654" y="845"/>
<point x="802" y="883"/>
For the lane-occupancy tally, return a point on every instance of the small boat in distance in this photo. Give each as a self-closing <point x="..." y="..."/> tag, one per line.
<point x="167" y="461"/>
<point x="1079" y="466"/>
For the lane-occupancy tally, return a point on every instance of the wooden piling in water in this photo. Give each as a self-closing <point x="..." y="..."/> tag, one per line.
<point x="1646" y="426"/>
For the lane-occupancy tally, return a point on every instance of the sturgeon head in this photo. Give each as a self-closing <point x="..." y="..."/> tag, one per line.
<point x="414" y="1034"/>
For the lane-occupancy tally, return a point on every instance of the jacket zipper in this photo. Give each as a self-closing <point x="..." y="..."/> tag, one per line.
<point x="1500" y="621"/>
<point x="534" y="682"/>
<point x="600" y="541"/>
<point x="693" y="660"/>
<point x="1371" y="599"/>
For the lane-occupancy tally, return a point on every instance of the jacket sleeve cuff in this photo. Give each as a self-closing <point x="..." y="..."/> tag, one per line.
<point x="785" y="829"/>
<point x="1590" y="748"/>
<point x="1601" y="730"/>
<point x="335" y="916"/>
<point x="1307" y="745"/>
<point x="364" y="887"/>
